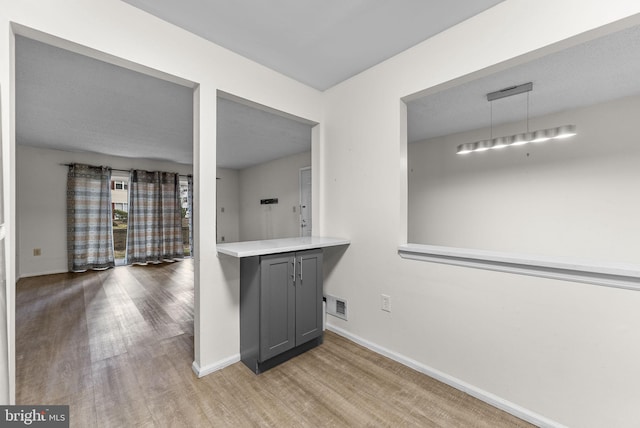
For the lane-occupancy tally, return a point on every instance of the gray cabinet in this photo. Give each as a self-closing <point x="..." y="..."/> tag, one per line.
<point x="280" y="307"/>
<point x="277" y="305"/>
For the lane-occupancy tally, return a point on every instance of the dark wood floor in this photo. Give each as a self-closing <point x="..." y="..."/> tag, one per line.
<point x="117" y="346"/>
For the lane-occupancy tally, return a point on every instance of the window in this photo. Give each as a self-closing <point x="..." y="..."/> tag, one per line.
<point x="184" y="197"/>
<point x="121" y="207"/>
<point x="186" y="215"/>
<point x="120" y="211"/>
<point x="120" y="214"/>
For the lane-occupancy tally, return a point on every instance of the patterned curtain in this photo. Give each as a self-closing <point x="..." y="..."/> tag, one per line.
<point x="89" y="223"/>
<point x="190" y="211"/>
<point x="154" y="231"/>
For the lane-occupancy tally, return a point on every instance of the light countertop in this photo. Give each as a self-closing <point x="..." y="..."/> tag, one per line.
<point x="274" y="246"/>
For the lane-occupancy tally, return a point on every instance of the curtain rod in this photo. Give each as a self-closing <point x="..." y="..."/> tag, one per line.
<point x="117" y="169"/>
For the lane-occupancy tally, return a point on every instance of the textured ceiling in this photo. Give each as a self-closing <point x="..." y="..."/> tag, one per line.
<point x="71" y="102"/>
<point x="250" y="136"/>
<point x="319" y="43"/>
<point x="603" y="69"/>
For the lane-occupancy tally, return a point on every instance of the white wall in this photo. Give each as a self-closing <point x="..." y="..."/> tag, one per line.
<point x="240" y="192"/>
<point x="554" y="350"/>
<point x="4" y="345"/>
<point x="5" y="294"/>
<point x="569" y="198"/>
<point x="41" y="197"/>
<point x="563" y="350"/>
<point x="275" y="179"/>
<point x="228" y="205"/>
<point x="116" y="31"/>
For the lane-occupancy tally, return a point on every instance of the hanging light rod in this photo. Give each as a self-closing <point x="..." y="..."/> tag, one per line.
<point x="507" y="92"/>
<point x="539" y="136"/>
<point x="542" y="135"/>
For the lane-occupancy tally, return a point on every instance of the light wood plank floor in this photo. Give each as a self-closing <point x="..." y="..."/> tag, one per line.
<point x="117" y="346"/>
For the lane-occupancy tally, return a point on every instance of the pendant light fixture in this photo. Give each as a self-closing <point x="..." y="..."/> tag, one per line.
<point x="538" y="136"/>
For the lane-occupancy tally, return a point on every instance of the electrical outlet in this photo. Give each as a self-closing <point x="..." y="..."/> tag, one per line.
<point x="385" y="303"/>
<point x="37" y="252"/>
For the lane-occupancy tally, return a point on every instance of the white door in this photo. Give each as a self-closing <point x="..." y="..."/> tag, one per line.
<point x="305" y="201"/>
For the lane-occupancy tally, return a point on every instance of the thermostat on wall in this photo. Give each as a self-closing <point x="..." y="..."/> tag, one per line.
<point x="268" y="201"/>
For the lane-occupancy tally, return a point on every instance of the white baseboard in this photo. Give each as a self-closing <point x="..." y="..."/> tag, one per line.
<point x="458" y="384"/>
<point x="218" y="365"/>
<point x="50" y="272"/>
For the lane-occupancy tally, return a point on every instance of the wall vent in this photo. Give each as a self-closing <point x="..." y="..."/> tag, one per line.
<point x="337" y="307"/>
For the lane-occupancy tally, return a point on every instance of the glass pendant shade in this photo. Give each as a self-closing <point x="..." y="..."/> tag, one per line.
<point x="521" y="139"/>
<point x="466" y="148"/>
<point x="540" y="136"/>
<point x="565" y="131"/>
<point x="501" y="142"/>
<point x="483" y="145"/>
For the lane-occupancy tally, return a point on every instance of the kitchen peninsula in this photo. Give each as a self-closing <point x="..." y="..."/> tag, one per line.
<point x="280" y="297"/>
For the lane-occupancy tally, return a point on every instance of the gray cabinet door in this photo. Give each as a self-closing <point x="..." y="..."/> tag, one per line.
<point x="308" y="295"/>
<point x="277" y="305"/>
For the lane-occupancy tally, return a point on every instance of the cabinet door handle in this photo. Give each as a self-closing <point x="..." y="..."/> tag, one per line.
<point x="300" y="274"/>
<point x="294" y="270"/>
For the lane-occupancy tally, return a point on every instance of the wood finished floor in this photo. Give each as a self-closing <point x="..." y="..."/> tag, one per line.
<point x="117" y="346"/>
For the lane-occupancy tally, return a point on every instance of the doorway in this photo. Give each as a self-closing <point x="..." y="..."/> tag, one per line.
<point x="305" y="201"/>
<point x="120" y="215"/>
<point x="131" y="142"/>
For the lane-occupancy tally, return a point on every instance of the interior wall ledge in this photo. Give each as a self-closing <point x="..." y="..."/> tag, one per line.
<point x="618" y="275"/>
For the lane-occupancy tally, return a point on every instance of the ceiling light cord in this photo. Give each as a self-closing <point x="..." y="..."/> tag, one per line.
<point x="528" y="92"/>
<point x="491" y="120"/>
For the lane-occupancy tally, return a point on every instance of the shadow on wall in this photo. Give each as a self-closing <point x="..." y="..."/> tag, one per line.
<point x="332" y="257"/>
<point x="230" y="267"/>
